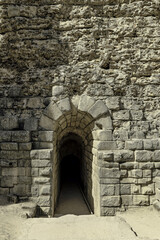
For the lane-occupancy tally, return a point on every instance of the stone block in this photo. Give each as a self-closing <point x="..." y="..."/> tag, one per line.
<point x="157" y="182"/>
<point x="134" y="145"/>
<point x="107" y="190"/>
<point x="35" y="191"/>
<point x="46" y="123"/>
<point x="148" y="190"/>
<point x="148" y="144"/>
<point x="135" y="189"/>
<point x="98" y="109"/>
<point x="9" y="171"/>
<point x="19" y="190"/>
<point x="143" y="156"/>
<point x="104" y="145"/>
<point x="25" y="146"/>
<point x="128" y="165"/>
<point x="129" y="180"/>
<point x="45" y="190"/>
<point x="135" y="173"/>
<point x="35" y="172"/>
<point x="41" y="180"/>
<point x="4" y="191"/>
<point x="45" y="136"/>
<point x="105" y="156"/>
<point x="109" y="173"/>
<point x="127" y="200"/>
<point x="111" y="201"/>
<point x="45" y="171"/>
<point x="53" y="111"/>
<point x="21" y="136"/>
<point x="13" y="11"/>
<point x="41" y="163"/>
<point x="123" y="155"/>
<point x="146" y="165"/>
<point x="113" y="103"/>
<point x="75" y="100"/>
<point x="136" y="115"/>
<point x="107" y="211"/>
<point x="123" y="173"/>
<point x="41" y="154"/>
<point x="64" y="105"/>
<point x="140" y="200"/>
<point x="9" y="146"/>
<point x="158" y="193"/>
<point x="102" y="135"/>
<point x="16" y="155"/>
<point x="45" y="154"/>
<point x="147" y="173"/>
<point x="5" y="136"/>
<point x="8" y="181"/>
<point x="144" y="181"/>
<point x="121" y="135"/>
<point x="156" y="205"/>
<point x="43" y="201"/>
<point x="85" y="103"/>
<point x="9" y="123"/>
<point x="35" y="103"/>
<point x="24" y="180"/>
<point x="125" y="189"/>
<point x="157" y="165"/>
<point x="156" y="144"/>
<point x="156" y="156"/>
<point x="57" y="90"/>
<point x="31" y="124"/>
<point x="121" y="115"/>
<point x="104" y="123"/>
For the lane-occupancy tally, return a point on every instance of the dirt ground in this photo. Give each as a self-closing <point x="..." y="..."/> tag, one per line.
<point x="134" y="224"/>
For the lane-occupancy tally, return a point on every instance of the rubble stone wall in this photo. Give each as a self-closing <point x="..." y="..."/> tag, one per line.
<point x="103" y="49"/>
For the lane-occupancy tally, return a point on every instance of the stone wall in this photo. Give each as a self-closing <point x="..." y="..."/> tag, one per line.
<point x="108" y="50"/>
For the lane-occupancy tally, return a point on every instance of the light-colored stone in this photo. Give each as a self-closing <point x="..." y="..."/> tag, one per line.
<point x="57" y="90"/>
<point x="46" y="123"/>
<point x="98" y="109"/>
<point x="64" y="105"/>
<point x="85" y="103"/>
<point x="111" y="201"/>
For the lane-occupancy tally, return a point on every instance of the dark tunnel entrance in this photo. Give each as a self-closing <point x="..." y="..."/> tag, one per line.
<point x="71" y="199"/>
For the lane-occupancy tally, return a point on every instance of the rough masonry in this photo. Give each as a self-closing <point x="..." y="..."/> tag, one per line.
<point x="88" y="69"/>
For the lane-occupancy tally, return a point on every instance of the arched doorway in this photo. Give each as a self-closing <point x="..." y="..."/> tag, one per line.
<point x="90" y="120"/>
<point x="71" y="196"/>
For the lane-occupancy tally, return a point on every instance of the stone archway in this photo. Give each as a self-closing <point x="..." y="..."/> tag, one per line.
<point x="89" y="120"/>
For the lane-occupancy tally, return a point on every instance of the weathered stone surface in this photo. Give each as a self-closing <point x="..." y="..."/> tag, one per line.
<point x="45" y="136"/>
<point x="125" y="189"/>
<point x="46" y="123"/>
<point x="21" y="136"/>
<point x="85" y="103"/>
<point x="121" y="115"/>
<point x="143" y="156"/>
<point x="111" y="201"/>
<point x="102" y="135"/>
<point x="123" y="155"/>
<point x="104" y="145"/>
<point x="134" y="145"/>
<point x="84" y="67"/>
<point x="98" y="109"/>
<point x="140" y="200"/>
<point x="57" y="90"/>
<point x="109" y="173"/>
<point x="31" y="124"/>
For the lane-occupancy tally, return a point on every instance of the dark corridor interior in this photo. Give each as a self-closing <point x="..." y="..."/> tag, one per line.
<point x="70" y="169"/>
<point x="71" y="198"/>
